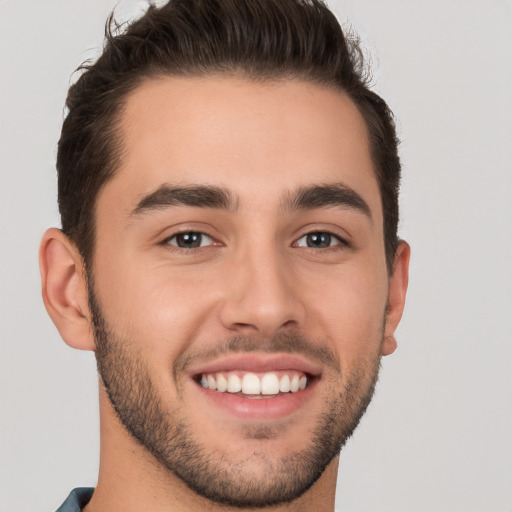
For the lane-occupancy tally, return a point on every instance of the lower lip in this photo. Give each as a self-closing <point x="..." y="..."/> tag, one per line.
<point x="258" y="408"/>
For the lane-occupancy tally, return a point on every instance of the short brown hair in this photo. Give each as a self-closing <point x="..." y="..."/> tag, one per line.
<point x="257" y="39"/>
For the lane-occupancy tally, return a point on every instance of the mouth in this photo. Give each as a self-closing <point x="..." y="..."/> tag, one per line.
<point x="257" y="386"/>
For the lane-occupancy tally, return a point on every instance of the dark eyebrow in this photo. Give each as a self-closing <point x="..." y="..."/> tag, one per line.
<point x="201" y="196"/>
<point x="324" y="196"/>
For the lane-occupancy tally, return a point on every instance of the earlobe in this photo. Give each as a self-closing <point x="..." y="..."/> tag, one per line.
<point x="64" y="289"/>
<point x="396" y="298"/>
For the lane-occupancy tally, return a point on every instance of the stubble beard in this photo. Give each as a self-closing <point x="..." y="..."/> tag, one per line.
<point x="164" y="432"/>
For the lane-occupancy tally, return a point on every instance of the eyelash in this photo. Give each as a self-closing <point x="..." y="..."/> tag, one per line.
<point x="167" y="241"/>
<point x="341" y="242"/>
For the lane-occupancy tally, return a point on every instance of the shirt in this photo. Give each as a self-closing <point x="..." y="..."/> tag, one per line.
<point x="77" y="499"/>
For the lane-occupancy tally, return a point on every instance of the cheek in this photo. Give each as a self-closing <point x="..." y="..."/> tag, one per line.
<point x="347" y="307"/>
<point x="162" y="308"/>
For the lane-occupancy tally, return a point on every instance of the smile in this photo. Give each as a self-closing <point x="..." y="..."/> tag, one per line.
<point x="255" y="385"/>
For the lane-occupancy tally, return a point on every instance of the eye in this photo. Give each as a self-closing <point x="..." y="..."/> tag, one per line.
<point x="319" y="240"/>
<point x="190" y="240"/>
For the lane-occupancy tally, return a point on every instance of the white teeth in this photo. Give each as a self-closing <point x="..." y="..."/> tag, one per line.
<point x="294" y="384"/>
<point x="251" y="384"/>
<point x="234" y="383"/>
<point x="212" y="383"/>
<point x="269" y="384"/>
<point x="284" y="385"/>
<point x="222" y="383"/>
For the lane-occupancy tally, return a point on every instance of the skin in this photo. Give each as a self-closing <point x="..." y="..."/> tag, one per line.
<point x="253" y="277"/>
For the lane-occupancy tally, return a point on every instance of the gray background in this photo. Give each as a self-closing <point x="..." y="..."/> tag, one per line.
<point x="438" y="435"/>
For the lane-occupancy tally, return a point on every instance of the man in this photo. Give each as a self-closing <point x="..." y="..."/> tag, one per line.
<point x="228" y="192"/>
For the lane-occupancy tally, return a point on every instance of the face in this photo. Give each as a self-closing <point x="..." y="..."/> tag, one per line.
<point x="239" y="284"/>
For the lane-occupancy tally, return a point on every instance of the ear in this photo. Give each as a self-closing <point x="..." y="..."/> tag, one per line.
<point x="396" y="298"/>
<point x="64" y="289"/>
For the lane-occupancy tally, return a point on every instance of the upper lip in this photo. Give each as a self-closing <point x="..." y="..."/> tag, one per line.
<point x="257" y="363"/>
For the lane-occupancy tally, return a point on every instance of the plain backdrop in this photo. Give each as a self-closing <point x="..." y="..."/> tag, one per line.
<point x="437" y="436"/>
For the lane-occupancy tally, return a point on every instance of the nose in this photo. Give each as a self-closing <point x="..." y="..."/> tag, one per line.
<point x="262" y="296"/>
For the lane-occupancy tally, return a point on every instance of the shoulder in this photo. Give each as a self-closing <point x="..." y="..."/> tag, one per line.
<point x="76" y="500"/>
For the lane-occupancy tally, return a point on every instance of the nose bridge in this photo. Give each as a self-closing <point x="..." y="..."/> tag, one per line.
<point x="261" y="295"/>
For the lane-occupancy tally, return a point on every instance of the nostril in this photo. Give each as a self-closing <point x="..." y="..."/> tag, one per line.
<point x="263" y="306"/>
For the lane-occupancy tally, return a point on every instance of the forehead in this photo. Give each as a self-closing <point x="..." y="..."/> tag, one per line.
<point x="255" y="139"/>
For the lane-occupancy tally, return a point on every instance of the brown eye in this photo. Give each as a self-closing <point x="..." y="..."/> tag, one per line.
<point x="190" y="240"/>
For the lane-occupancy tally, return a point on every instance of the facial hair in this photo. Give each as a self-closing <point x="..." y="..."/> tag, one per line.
<point x="164" y="432"/>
